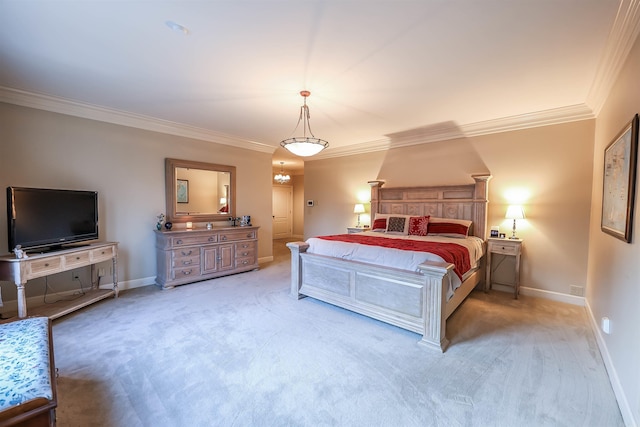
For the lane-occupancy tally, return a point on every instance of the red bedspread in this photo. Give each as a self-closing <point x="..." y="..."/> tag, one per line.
<point x="450" y="252"/>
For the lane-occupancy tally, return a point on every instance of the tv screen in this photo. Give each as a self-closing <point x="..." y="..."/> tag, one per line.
<point x="48" y="218"/>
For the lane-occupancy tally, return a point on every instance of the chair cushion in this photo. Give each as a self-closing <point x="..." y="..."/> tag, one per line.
<point x="25" y="371"/>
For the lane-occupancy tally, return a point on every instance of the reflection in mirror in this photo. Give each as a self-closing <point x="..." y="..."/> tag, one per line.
<point x="198" y="191"/>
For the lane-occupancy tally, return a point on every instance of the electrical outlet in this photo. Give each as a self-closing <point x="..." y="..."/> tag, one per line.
<point x="101" y="272"/>
<point x="75" y="275"/>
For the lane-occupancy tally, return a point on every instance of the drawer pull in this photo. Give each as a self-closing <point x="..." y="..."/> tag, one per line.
<point x="187" y="262"/>
<point x="179" y="242"/>
<point x="46" y="264"/>
<point x="77" y="258"/>
<point x="245" y="246"/>
<point x="102" y="253"/>
<point x="186" y="272"/>
<point x="249" y="235"/>
<point x="187" y="253"/>
<point x="245" y="262"/>
<point x="503" y="248"/>
<point x="212" y="239"/>
<point x="223" y="238"/>
<point x="245" y="253"/>
<point x="218" y="259"/>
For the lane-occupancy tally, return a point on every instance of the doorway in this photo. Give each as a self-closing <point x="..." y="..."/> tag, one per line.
<point x="282" y="202"/>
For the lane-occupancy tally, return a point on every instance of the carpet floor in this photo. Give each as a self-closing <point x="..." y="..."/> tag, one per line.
<point x="239" y="351"/>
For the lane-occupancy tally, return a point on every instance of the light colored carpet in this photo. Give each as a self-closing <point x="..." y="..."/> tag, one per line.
<point x="238" y="351"/>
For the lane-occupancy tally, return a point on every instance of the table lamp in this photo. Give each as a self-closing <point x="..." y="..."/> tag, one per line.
<point x="514" y="212"/>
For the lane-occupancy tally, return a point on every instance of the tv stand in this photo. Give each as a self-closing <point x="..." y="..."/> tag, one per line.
<point x="20" y="271"/>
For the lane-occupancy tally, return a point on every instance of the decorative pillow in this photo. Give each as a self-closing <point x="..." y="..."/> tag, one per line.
<point x="397" y="225"/>
<point x="449" y="227"/>
<point x="418" y="225"/>
<point x="380" y="224"/>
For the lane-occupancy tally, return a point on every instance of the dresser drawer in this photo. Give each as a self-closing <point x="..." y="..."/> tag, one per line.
<point x="244" y="249"/>
<point x="180" y="273"/>
<point x="229" y="236"/>
<point x="245" y="261"/>
<point x="80" y="259"/>
<point x="505" y="249"/>
<point x="46" y="266"/>
<point x="102" y="254"/>
<point x="194" y="240"/>
<point x="186" y="261"/>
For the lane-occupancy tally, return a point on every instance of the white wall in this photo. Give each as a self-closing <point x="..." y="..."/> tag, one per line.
<point x="126" y="167"/>
<point x="614" y="266"/>
<point x="553" y="164"/>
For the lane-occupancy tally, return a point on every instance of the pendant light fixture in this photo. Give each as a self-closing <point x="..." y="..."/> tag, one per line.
<point x="304" y="145"/>
<point x="281" y="178"/>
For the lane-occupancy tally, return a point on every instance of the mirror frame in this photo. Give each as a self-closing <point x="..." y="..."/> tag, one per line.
<point x="170" y="166"/>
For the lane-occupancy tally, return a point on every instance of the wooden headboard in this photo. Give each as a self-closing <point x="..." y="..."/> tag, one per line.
<point x="467" y="201"/>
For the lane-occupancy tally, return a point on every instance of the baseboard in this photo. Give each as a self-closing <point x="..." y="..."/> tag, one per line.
<point x="131" y="284"/>
<point x="265" y="259"/>
<point x="554" y="296"/>
<point x="618" y="391"/>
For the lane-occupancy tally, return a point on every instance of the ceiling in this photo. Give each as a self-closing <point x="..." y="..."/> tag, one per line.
<point x="381" y="73"/>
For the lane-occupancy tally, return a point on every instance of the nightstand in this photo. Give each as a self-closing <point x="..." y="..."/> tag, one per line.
<point x="352" y="230"/>
<point x="506" y="247"/>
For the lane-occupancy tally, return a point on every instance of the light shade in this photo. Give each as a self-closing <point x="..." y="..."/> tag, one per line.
<point x="304" y="146"/>
<point x="358" y="208"/>
<point x="281" y="177"/>
<point x="515" y="212"/>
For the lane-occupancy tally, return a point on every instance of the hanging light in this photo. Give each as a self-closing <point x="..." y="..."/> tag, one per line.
<point x="281" y="178"/>
<point x="303" y="145"/>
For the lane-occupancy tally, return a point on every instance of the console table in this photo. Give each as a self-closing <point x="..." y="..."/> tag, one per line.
<point x="19" y="271"/>
<point x="187" y="256"/>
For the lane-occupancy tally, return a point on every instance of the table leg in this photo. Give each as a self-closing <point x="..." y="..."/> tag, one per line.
<point x="22" y="301"/>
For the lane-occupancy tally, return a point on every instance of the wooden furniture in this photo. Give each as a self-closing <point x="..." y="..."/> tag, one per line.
<point x="411" y="300"/>
<point x="44" y="264"/>
<point x="351" y="230"/>
<point x="30" y="375"/>
<point x="506" y="247"/>
<point x="186" y="256"/>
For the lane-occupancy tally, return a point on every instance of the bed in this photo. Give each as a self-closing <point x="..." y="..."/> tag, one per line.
<point x="419" y="299"/>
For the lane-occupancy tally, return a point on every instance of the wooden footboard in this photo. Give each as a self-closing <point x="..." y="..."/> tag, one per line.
<point x="415" y="301"/>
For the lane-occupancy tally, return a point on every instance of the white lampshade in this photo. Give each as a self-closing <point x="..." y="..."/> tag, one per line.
<point x="515" y="212"/>
<point x="358" y="208"/>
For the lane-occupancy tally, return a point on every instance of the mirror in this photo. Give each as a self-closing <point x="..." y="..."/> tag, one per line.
<point x="199" y="192"/>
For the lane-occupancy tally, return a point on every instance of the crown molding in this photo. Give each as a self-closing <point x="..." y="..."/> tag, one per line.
<point x="123" y="118"/>
<point x="621" y="39"/>
<point x="440" y="132"/>
<point x="449" y="130"/>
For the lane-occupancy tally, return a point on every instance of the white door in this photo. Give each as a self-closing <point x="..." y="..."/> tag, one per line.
<point x="282" y="211"/>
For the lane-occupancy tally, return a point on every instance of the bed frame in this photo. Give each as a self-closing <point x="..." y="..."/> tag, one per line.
<point x="415" y="301"/>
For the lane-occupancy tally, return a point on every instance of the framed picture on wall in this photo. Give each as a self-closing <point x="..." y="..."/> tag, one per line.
<point x="182" y="191"/>
<point x="619" y="179"/>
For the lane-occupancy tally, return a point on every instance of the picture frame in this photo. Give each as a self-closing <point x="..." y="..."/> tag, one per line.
<point x="503" y="236"/>
<point x="618" y="182"/>
<point x="182" y="191"/>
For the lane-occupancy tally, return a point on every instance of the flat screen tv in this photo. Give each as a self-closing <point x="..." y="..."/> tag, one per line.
<point x="40" y="218"/>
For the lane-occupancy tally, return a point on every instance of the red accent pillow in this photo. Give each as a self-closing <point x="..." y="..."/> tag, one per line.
<point x="449" y="229"/>
<point x="418" y="225"/>
<point x="380" y="224"/>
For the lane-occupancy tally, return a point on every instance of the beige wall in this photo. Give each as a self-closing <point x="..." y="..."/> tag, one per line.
<point x="614" y="266"/>
<point x="552" y="164"/>
<point x="126" y="166"/>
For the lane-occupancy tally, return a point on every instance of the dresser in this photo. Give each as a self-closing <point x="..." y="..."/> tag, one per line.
<point x="187" y="256"/>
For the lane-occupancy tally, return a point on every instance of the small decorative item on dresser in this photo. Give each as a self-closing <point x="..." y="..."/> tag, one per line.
<point x="160" y="218"/>
<point x="168" y="225"/>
